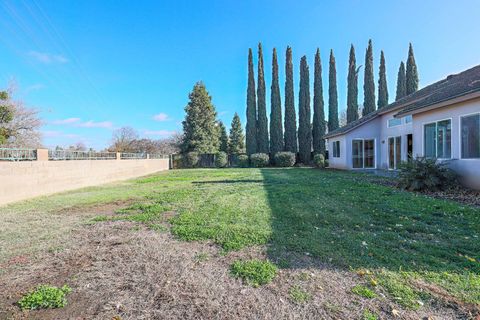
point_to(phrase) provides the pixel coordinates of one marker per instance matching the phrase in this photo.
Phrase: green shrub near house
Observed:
(319, 160)
(424, 174)
(221, 159)
(259, 160)
(284, 159)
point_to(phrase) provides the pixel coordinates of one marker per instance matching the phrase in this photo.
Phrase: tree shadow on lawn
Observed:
(347, 221)
(228, 181)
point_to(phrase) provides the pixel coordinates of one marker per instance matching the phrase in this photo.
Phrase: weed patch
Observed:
(364, 291)
(254, 272)
(45, 297)
(299, 295)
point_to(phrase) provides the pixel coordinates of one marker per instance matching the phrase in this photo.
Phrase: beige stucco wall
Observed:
(468, 169)
(27, 179)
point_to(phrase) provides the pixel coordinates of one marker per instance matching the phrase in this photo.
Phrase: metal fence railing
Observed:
(17, 154)
(132, 156)
(159, 156)
(80, 155)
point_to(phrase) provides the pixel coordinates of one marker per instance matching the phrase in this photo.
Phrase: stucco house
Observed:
(440, 121)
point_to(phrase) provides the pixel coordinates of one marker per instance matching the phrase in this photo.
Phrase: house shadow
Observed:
(323, 218)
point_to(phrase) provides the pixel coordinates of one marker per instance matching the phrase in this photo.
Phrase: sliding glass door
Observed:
(363, 154)
(394, 152)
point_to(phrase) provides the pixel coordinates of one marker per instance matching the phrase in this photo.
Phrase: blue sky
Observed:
(93, 66)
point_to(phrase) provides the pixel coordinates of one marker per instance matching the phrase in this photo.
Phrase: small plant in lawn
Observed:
(221, 159)
(254, 272)
(364, 292)
(201, 257)
(191, 159)
(44, 297)
(242, 161)
(299, 295)
(284, 159)
(319, 160)
(367, 315)
(424, 174)
(259, 160)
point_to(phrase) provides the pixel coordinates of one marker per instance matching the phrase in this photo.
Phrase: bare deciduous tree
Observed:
(122, 139)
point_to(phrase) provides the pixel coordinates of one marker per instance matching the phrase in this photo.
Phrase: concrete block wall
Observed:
(27, 179)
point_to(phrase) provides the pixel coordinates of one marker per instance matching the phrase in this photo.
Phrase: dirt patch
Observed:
(116, 269)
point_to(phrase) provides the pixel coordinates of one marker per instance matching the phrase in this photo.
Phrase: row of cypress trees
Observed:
(310, 134)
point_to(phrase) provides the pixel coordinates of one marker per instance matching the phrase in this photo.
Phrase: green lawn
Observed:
(400, 242)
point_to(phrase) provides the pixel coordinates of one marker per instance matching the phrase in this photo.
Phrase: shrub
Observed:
(44, 297)
(254, 272)
(190, 159)
(284, 159)
(221, 160)
(319, 160)
(259, 160)
(424, 174)
(242, 161)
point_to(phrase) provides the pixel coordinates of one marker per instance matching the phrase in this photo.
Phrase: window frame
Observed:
(363, 153)
(460, 134)
(436, 141)
(336, 154)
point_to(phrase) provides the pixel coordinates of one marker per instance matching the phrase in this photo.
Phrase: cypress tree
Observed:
(251, 127)
(200, 126)
(236, 144)
(276, 127)
(412, 73)
(318, 130)
(262, 121)
(304, 126)
(368, 83)
(352, 90)
(223, 137)
(290, 118)
(401, 82)
(382, 83)
(332, 95)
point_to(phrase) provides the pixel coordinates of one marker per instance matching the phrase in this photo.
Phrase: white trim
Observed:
(460, 134)
(363, 145)
(423, 137)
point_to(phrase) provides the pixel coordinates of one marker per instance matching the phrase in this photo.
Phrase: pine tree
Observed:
(223, 137)
(200, 126)
(290, 117)
(401, 82)
(262, 121)
(236, 143)
(276, 127)
(318, 130)
(304, 125)
(332, 95)
(411, 73)
(382, 83)
(368, 82)
(251, 127)
(352, 90)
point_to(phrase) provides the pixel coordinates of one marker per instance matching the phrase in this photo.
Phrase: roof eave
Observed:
(444, 103)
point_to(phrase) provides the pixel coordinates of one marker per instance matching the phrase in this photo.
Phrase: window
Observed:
(438, 139)
(470, 133)
(336, 149)
(363, 154)
(394, 122)
(394, 152)
(408, 119)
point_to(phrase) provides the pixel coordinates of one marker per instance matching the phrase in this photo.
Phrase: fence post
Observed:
(42, 154)
(119, 157)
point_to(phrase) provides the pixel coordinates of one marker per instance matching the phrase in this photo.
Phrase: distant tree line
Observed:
(204, 133)
(311, 128)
